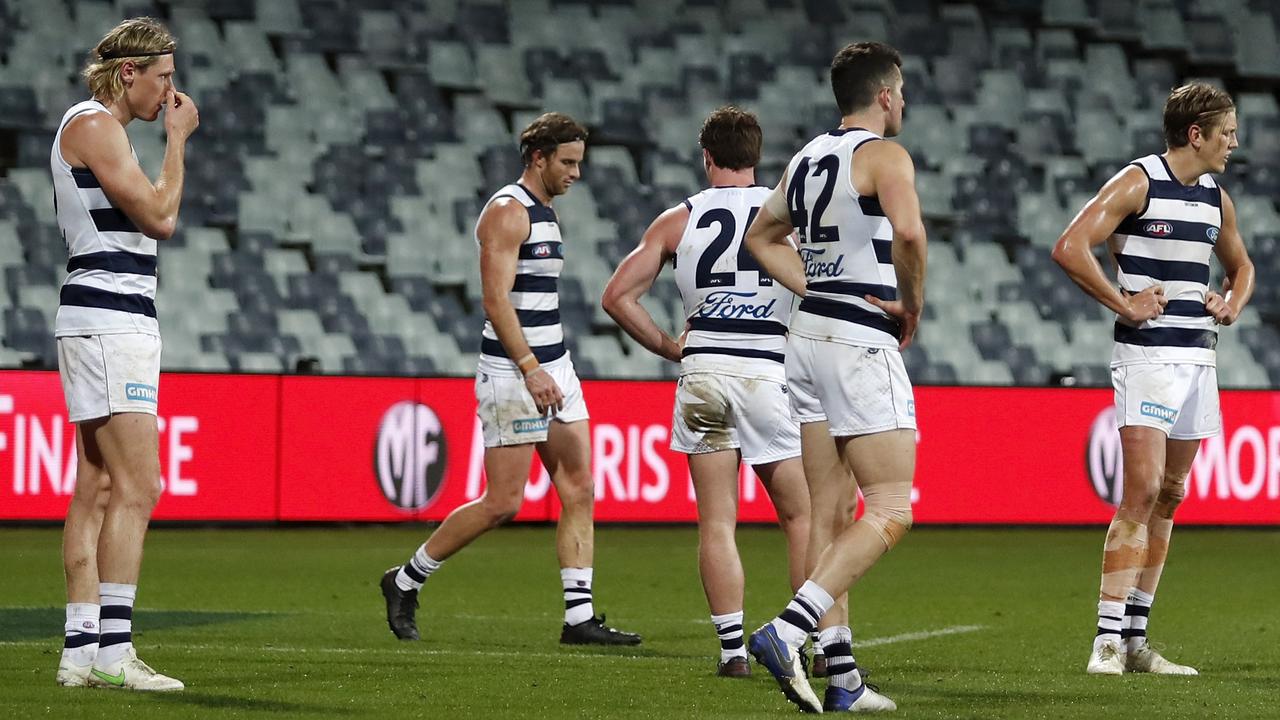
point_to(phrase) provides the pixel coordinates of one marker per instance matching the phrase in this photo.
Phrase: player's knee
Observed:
(500, 509)
(791, 512)
(716, 531)
(1170, 496)
(1140, 497)
(891, 522)
(576, 490)
(794, 522)
(142, 493)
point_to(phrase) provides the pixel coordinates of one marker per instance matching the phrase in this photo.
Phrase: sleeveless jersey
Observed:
(845, 243)
(111, 283)
(1169, 244)
(534, 295)
(737, 315)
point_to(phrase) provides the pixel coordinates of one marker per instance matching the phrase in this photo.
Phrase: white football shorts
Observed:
(104, 375)
(722, 412)
(857, 390)
(1178, 399)
(508, 415)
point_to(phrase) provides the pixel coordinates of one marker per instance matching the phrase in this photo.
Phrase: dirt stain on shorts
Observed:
(705, 409)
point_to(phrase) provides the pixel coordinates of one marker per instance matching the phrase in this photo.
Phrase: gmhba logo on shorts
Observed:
(1104, 459)
(409, 457)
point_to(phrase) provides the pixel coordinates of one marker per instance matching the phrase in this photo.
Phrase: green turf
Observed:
(288, 624)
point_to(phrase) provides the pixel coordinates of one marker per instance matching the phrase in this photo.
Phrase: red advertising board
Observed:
(219, 436)
(297, 448)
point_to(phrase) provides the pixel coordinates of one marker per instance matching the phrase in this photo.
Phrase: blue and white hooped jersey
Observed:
(737, 314)
(1169, 244)
(845, 242)
(111, 283)
(535, 295)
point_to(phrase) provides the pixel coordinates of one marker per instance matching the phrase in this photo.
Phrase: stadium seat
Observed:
(345, 151)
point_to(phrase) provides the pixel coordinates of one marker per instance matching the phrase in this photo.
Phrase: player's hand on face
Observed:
(1146, 305)
(908, 321)
(181, 117)
(546, 394)
(1217, 306)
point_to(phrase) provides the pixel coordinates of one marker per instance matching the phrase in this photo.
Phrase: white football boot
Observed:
(1146, 660)
(1108, 658)
(130, 673)
(72, 675)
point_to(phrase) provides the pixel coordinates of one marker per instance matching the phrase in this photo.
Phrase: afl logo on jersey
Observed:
(1159, 228)
(542, 251)
(1103, 458)
(409, 455)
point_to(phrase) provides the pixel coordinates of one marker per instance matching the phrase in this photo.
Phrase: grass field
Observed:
(955, 623)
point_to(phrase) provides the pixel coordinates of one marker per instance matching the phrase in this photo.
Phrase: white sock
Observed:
(414, 573)
(842, 670)
(1136, 613)
(578, 607)
(729, 630)
(1110, 623)
(116, 622)
(802, 614)
(80, 645)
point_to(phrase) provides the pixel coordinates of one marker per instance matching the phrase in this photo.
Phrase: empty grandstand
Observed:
(345, 148)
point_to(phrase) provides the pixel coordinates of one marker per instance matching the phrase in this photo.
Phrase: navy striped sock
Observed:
(842, 669)
(1137, 611)
(1110, 622)
(577, 595)
(414, 573)
(729, 630)
(116, 622)
(803, 613)
(80, 644)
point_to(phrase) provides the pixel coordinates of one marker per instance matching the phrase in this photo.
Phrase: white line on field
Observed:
(289, 649)
(921, 635)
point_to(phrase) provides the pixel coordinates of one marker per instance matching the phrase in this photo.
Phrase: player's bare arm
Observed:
(1237, 286)
(1123, 195)
(768, 240)
(98, 141)
(503, 227)
(634, 277)
(891, 177)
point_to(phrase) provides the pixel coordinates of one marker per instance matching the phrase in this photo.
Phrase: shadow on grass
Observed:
(39, 623)
(238, 702)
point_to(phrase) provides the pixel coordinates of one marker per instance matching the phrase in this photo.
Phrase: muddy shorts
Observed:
(721, 412)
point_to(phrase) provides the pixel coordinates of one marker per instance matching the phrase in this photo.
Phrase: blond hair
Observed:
(1198, 104)
(140, 40)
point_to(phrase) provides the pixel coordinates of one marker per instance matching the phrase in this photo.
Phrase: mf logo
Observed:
(1159, 228)
(1104, 458)
(409, 455)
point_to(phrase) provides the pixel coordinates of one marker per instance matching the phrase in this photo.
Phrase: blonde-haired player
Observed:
(1162, 216)
(111, 216)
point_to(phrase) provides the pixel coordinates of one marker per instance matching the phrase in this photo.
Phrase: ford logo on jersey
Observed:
(731, 305)
(816, 267)
(1158, 228)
